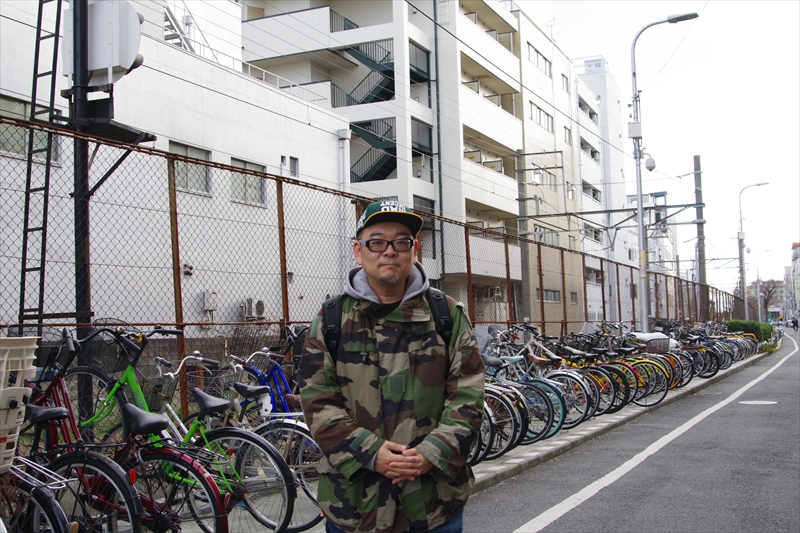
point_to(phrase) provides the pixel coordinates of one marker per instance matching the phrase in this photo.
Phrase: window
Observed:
(549, 296)
(567, 135)
(544, 235)
(570, 191)
(573, 242)
(594, 276)
(593, 233)
(573, 297)
(419, 62)
(247, 187)
(14, 139)
(565, 83)
(425, 206)
(543, 177)
(294, 167)
(631, 254)
(592, 192)
(590, 150)
(541, 117)
(190, 176)
(540, 61)
(586, 108)
(421, 138)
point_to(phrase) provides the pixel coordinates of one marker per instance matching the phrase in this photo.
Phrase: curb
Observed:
(522, 458)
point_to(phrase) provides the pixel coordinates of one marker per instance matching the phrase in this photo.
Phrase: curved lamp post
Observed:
(742, 280)
(635, 133)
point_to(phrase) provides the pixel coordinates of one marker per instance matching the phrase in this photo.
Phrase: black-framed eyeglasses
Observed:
(380, 245)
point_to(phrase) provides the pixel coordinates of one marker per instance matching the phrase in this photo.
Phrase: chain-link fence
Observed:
(232, 254)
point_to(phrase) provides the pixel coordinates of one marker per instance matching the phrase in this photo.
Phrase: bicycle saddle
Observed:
(208, 404)
(493, 362)
(39, 413)
(135, 421)
(250, 391)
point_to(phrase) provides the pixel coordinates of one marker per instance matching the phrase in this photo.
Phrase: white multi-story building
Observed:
(605, 234)
(202, 102)
(464, 109)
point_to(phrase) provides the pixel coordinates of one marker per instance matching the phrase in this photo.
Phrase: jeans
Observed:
(454, 525)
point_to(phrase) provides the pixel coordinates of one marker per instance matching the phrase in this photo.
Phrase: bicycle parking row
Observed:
(538, 385)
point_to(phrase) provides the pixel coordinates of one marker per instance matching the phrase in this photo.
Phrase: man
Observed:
(394, 411)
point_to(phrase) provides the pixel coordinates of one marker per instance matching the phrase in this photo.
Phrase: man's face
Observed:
(389, 268)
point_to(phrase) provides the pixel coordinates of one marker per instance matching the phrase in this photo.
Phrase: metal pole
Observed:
(742, 275)
(636, 135)
(80, 104)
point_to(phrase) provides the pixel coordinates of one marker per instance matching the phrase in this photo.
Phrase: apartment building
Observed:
(197, 98)
(465, 109)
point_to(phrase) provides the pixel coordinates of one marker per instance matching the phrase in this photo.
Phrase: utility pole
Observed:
(701, 239)
(79, 114)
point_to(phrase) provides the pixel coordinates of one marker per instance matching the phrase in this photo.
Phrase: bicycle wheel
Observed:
(557, 399)
(26, 508)
(177, 492)
(622, 389)
(606, 388)
(88, 389)
(657, 383)
(577, 398)
(294, 442)
(260, 483)
(540, 413)
(506, 425)
(485, 437)
(102, 499)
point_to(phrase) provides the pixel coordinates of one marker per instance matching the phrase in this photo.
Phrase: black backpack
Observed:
(332, 319)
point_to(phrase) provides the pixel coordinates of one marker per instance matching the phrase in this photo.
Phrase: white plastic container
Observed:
(17, 354)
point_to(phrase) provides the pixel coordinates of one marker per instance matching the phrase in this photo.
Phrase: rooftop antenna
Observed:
(550, 23)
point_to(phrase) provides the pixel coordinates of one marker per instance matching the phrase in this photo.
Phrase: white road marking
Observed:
(557, 511)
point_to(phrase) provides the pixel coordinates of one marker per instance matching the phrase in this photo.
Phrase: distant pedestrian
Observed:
(794, 324)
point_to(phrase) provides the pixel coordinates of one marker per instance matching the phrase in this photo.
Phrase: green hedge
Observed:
(763, 332)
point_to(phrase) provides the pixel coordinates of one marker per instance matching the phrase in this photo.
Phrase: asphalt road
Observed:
(722, 460)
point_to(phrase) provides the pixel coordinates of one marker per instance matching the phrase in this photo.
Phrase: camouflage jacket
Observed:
(393, 380)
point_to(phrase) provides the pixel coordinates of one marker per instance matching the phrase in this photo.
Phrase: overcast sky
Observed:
(726, 87)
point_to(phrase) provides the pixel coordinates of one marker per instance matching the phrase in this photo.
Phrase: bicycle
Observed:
(173, 487)
(255, 409)
(27, 503)
(253, 477)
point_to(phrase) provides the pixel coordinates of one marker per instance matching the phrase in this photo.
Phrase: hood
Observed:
(358, 287)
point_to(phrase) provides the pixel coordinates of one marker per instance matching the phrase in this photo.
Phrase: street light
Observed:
(742, 277)
(758, 278)
(635, 133)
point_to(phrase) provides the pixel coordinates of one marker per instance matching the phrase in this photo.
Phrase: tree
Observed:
(771, 296)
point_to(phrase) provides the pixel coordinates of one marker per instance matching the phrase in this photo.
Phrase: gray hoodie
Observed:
(358, 287)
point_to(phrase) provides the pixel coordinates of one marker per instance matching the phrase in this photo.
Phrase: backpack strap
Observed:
(441, 314)
(332, 322)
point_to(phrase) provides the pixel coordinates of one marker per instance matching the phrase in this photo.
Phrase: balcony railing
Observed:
(339, 23)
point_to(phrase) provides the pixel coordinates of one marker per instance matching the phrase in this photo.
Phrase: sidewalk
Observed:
(522, 458)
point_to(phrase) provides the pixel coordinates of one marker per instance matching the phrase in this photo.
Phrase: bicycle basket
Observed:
(157, 390)
(216, 382)
(261, 361)
(658, 346)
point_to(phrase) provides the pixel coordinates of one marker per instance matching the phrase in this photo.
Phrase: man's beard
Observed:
(390, 280)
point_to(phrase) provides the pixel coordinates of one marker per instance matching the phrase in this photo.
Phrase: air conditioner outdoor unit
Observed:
(255, 308)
